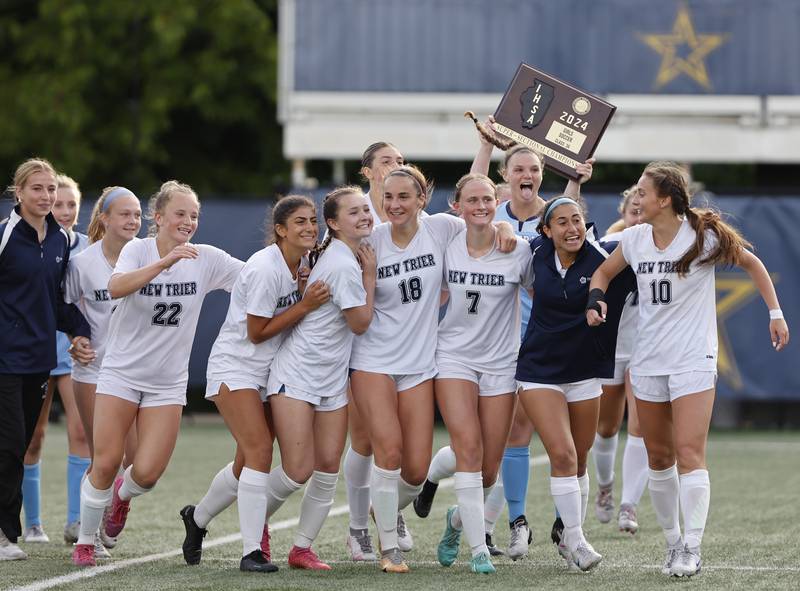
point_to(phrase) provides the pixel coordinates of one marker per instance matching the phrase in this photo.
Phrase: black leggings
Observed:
(21, 398)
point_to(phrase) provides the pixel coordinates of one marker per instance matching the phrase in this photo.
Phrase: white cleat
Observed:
(100, 552)
(627, 518)
(9, 550)
(359, 545)
(108, 541)
(404, 540)
(520, 538)
(71, 532)
(35, 535)
(585, 557)
(688, 562)
(673, 552)
(604, 503)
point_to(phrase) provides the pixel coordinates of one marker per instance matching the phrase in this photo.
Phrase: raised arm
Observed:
(573, 188)
(778, 329)
(611, 267)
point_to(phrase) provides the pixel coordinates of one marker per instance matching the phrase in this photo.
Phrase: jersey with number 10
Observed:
(151, 332)
(481, 324)
(401, 339)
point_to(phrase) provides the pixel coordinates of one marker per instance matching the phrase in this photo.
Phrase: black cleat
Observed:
(557, 531)
(193, 542)
(424, 501)
(493, 550)
(256, 563)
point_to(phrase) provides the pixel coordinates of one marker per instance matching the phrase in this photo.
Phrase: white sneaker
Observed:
(9, 550)
(359, 544)
(108, 541)
(673, 552)
(35, 535)
(604, 503)
(100, 551)
(627, 518)
(71, 532)
(404, 540)
(688, 562)
(520, 538)
(585, 557)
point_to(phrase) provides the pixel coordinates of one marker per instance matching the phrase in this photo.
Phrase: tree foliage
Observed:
(136, 91)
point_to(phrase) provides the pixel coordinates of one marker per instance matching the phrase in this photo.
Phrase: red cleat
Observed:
(265, 543)
(305, 558)
(119, 512)
(83, 555)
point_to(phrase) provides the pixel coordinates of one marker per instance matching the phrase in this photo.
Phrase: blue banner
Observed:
(615, 46)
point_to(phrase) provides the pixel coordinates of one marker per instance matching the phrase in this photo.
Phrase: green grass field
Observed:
(750, 543)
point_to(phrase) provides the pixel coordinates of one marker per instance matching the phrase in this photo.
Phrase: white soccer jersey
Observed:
(86, 286)
(314, 356)
(629, 321)
(401, 339)
(677, 315)
(376, 219)
(481, 324)
(151, 331)
(265, 287)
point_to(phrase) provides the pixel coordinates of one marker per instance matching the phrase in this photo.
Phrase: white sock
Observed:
(695, 497)
(383, 489)
(129, 488)
(406, 493)
(317, 502)
(664, 493)
(279, 487)
(604, 451)
(357, 469)
(221, 495)
(469, 494)
(634, 470)
(567, 498)
(583, 483)
(494, 500)
(443, 464)
(93, 503)
(252, 503)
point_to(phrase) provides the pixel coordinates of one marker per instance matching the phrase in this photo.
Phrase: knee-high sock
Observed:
(406, 493)
(252, 503)
(516, 471)
(357, 470)
(664, 494)
(93, 503)
(279, 487)
(604, 451)
(76, 468)
(220, 495)
(383, 489)
(583, 483)
(32, 494)
(130, 488)
(469, 495)
(493, 505)
(566, 493)
(443, 464)
(317, 501)
(634, 470)
(695, 497)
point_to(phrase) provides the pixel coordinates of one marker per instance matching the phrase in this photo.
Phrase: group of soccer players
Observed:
(545, 327)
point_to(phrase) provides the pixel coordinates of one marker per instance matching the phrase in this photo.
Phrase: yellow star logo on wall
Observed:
(734, 291)
(682, 39)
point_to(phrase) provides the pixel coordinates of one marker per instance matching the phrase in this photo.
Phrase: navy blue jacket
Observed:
(559, 346)
(32, 306)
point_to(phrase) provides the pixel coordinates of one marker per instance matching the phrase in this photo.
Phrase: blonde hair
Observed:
(520, 149)
(424, 186)
(97, 229)
(473, 176)
(158, 202)
(26, 169)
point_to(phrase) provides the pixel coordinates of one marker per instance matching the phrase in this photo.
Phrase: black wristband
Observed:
(596, 296)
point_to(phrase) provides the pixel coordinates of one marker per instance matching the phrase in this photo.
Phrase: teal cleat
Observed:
(447, 552)
(482, 564)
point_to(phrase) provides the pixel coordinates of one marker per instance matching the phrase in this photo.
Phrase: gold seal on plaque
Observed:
(581, 105)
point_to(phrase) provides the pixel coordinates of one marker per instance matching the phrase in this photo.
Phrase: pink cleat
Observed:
(305, 558)
(83, 555)
(265, 543)
(119, 512)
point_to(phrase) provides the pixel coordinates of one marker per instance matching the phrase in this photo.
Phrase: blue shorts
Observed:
(64, 366)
